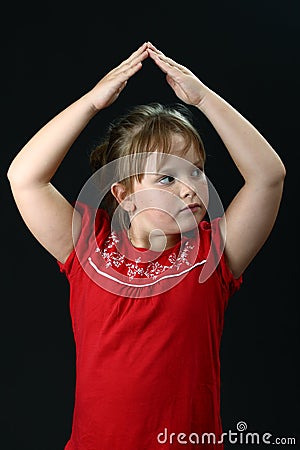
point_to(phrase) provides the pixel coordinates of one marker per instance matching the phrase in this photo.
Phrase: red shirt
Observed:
(147, 336)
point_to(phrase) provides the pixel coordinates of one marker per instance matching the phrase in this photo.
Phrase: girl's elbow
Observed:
(277, 176)
(282, 171)
(281, 174)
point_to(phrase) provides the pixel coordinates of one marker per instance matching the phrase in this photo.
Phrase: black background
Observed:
(247, 51)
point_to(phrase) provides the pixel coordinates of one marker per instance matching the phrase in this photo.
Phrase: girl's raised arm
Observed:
(47, 214)
(251, 215)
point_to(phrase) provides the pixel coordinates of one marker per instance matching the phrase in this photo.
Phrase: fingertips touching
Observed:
(153, 48)
(150, 45)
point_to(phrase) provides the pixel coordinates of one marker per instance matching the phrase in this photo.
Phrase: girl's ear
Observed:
(120, 193)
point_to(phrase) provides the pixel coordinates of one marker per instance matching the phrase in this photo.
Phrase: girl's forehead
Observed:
(157, 162)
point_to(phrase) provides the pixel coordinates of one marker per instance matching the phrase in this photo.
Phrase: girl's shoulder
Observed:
(95, 227)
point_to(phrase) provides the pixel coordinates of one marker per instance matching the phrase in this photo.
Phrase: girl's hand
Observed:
(111, 85)
(184, 83)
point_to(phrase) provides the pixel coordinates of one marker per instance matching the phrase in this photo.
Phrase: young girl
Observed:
(150, 275)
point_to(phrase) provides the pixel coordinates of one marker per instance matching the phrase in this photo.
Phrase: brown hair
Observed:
(144, 128)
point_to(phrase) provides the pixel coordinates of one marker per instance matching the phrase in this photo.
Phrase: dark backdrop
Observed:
(51, 54)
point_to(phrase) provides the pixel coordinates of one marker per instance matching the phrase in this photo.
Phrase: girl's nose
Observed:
(185, 190)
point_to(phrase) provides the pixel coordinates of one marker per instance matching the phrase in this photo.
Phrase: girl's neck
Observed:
(155, 241)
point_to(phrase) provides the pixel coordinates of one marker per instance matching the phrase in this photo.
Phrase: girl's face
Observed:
(170, 199)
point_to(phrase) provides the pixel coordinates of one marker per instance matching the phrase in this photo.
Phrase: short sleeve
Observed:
(94, 229)
(216, 258)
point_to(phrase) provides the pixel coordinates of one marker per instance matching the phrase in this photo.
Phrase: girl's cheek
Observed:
(150, 198)
(203, 193)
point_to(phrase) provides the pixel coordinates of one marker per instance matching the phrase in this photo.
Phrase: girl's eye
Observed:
(167, 180)
(197, 172)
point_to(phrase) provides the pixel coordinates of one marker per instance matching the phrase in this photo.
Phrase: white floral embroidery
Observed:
(113, 258)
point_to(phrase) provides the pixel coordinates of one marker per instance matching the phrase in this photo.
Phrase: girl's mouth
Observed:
(193, 207)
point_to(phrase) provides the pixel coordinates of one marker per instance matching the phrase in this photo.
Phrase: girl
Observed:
(150, 275)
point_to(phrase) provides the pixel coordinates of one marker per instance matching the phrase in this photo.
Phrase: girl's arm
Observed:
(252, 213)
(45, 211)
